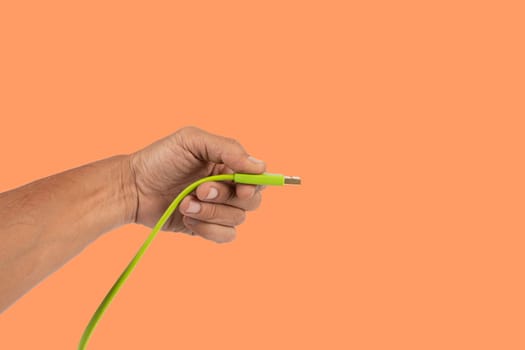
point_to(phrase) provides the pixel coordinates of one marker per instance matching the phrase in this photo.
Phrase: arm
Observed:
(47, 222)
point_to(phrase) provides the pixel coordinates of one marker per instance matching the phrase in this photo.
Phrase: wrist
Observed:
(128, 188)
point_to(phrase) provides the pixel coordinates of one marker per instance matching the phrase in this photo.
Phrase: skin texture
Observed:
(47, 222)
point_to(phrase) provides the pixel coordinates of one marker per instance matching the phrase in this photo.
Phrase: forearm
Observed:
(47, 222)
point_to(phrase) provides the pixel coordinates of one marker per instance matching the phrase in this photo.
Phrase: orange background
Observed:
(404, 118)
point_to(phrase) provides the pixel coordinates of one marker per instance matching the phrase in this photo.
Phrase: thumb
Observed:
(219, 149)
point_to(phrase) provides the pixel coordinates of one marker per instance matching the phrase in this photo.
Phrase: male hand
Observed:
(163, 169)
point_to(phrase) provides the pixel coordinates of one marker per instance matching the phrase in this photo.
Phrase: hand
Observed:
(163, 169)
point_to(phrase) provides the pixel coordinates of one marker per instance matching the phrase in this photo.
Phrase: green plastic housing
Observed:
(266, 179)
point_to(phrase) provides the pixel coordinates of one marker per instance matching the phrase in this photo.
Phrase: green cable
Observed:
(252, 179)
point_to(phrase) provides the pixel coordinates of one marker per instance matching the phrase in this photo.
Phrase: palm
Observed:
(162, 171)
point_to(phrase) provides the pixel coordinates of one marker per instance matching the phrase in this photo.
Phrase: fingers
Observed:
(211, 221)
(212, 212)
(213, 232)
(245, 192)
(216, 208)
(245, 197)
(218, 149)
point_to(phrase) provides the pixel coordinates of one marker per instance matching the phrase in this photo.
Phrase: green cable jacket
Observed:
(251, 179)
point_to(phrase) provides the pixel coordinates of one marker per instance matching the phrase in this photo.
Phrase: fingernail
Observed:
(213, 193)
(193, 208)
(261, 187)
(255, 160)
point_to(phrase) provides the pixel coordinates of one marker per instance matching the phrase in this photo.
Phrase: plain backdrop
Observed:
(404, 118)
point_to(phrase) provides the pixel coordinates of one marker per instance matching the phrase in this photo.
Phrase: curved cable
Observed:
(131, 266)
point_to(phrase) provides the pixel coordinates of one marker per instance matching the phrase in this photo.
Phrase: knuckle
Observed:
(189, 129)
(240, 217)
(255, 202)
(258, 200)
(235, 144)
(186, 132)
(233, 141)
(209, 211)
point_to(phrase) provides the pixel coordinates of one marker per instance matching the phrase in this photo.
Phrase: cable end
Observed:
(292, 180)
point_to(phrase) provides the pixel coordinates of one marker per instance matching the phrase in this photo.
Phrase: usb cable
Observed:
(250, 179)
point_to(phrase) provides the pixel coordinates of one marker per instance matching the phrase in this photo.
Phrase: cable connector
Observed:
(292, 180)
(266, 179)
